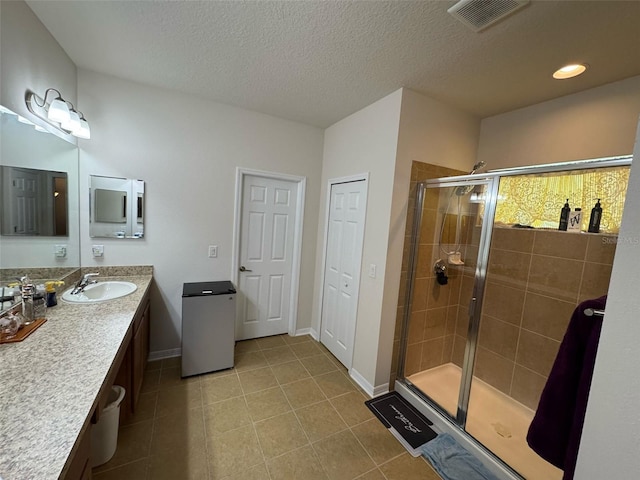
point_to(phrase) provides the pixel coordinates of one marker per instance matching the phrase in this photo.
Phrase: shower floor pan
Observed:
(494, 419)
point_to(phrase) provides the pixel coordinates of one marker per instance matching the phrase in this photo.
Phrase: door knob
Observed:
(242, 269)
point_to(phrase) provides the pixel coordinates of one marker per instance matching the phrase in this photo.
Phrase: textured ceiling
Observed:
(318, 61)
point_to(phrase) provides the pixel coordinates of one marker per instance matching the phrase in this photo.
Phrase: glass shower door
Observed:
(445, 263)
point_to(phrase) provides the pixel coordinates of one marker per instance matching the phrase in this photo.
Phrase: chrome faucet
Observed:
(83, 283)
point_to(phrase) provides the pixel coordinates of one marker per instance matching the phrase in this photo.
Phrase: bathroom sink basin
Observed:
(100, 292)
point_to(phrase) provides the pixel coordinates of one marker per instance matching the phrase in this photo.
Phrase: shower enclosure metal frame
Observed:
(456, 425)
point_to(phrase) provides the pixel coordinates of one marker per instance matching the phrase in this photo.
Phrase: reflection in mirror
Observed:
(43, 244)
(117, 207)
(34, 202)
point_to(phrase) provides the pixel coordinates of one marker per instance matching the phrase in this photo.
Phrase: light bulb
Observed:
(569, 71)
(73, 124)
(84, 131)
(58, 111)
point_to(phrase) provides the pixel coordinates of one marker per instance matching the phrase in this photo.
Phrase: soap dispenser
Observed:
(564, 216)
(596, 216)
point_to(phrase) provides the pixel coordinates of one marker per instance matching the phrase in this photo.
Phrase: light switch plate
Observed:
(213, 251)
(60, 251)
(97, 250)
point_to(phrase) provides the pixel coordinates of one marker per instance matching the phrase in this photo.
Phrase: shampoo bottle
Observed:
(564, 216)
(594, 221)
(575, 220)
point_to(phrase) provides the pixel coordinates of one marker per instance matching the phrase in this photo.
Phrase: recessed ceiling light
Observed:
(570, 71)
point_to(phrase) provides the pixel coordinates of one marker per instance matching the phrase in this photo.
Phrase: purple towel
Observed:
(556, 428)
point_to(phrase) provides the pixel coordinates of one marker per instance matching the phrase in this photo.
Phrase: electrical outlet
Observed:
(213, 251)
(60, 251)
(97, 250)
(372, 270)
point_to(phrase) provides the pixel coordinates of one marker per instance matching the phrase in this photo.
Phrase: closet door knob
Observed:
(242, 269)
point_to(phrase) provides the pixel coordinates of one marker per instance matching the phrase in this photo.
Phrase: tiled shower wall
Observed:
(434, 313)
(535, 279)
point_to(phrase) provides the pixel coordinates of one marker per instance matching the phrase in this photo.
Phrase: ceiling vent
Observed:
(479, 14)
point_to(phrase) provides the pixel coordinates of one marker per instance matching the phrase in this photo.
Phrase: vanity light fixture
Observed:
(59, 113)
(570, 71)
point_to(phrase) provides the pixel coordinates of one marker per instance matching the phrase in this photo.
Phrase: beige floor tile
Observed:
(320, 420)
(334, 384)
(406, 467)
(318, 364)
(372, 475)
(267, 403)
(300, 464)
(170, 377)
(280, 435)
(250, 361)
(131, 471)
(182, 397)
(245, 346)
(146, 408)
(133, 444)
(154, 365)
(256, 380)
(279, 355)
(171, 362)
(257, 472)
(187, 465)
(302, 393)
(226, 415)
(351, 408)
(271, 342)
(231, 449)
(297, 339)
(306, 349)
(342, 456)
(179, 433)
(289, 372)
(218, 373)
(151, 381)
(379, 443)
(220, 388)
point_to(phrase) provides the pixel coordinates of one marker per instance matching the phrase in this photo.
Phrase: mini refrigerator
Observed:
(208, 327)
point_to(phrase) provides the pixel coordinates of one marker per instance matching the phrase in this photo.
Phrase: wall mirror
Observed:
(40, 232)
(34, 202)
(116, 207)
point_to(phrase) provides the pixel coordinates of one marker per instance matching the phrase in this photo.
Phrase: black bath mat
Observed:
(408, 425)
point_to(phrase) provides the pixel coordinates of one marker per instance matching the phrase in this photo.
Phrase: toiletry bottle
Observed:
(564, 216)
(594, 221)
(27, 303)
(39, 306)
(575, 221)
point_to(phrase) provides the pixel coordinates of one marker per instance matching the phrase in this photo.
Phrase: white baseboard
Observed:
(366, 386)
(302, 331)
(314, 334)
(162, 354)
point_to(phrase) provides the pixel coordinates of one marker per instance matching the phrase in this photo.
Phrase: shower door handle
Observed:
(472, 307)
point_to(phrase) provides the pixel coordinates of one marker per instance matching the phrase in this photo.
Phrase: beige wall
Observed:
(364, 142)
(31, 59)
(188, 161)
(596, 123)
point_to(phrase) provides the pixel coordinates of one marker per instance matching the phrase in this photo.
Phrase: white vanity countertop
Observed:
(50, 381)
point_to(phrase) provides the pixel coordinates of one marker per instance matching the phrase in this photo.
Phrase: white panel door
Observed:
(345, 236)
(24, 202)
(266, 256)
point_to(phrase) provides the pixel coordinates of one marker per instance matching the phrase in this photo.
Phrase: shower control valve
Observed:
(440, 269)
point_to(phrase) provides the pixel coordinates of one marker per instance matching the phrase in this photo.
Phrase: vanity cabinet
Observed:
(127, 371)
(131, 371)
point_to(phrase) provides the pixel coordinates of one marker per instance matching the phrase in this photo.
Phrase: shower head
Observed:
(477, 167)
